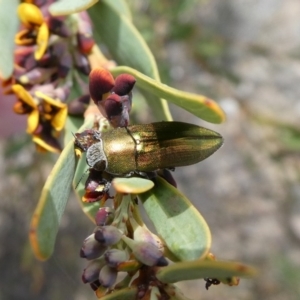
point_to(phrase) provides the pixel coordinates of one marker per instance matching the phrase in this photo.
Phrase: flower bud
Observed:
(91, 249)
(78, 106)
(104, 216)
(113, 105)
(124, 84)
(117, 109)
(96, 187)
(107, 276)
(108, 235)
(100, 82)
(146, 253)
(65, 65)
(36, 75)
(114, 257)
(143, 234)
(85, 42)
(81, 63)
(62, 93)
(57, 25)
(92, 270)
(149, 254)
(30, 63)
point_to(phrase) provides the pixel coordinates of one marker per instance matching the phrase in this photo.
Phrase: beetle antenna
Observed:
(81, 178)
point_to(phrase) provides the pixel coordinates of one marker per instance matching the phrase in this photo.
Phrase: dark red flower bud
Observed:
(104, 216)
(117, 109)
(81, 62)
(58, 26)
(78, 106)
(85, 42)
(113, 105)
(124, 84)
(100, 82)
(65, 65)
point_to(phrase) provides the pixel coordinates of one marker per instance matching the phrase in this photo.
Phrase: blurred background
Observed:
(246, 56)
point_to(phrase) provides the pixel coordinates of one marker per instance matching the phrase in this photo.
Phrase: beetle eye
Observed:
(100, 165)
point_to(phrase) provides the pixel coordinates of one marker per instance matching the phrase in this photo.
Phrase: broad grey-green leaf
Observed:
(199, 105)
(9, 23)
(127, 47)
(197, 269)
(55, 194)
(122, 7)
(177, 221)
(67, 7)
(50, 208)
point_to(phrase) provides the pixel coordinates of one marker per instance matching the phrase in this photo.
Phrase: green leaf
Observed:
(9, 23)
(67, 7)
(132, 185)
(121, 6)
(199, 105)
(127, 47)
(177, 221)
(55, 194)
(50, 208)
(190, 270)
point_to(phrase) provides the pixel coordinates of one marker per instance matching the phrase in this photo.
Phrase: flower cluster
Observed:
(52, 52)
(112, 96)
(110, 251)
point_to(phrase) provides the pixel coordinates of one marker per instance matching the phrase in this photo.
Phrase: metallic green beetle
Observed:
(147, 147)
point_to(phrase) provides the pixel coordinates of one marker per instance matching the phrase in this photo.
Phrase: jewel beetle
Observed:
(146, 148)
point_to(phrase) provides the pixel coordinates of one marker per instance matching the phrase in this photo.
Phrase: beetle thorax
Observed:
(96, 157)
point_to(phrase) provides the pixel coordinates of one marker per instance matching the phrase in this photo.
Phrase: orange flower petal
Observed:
(23, 95)
(43, 146)
(25, 37)
(49, 100)
(59, 119)
(42, 41)
(30, 15)
(32, 121)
